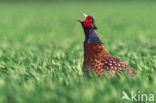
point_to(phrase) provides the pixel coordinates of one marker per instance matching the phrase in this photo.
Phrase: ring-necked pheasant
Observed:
(95, 55)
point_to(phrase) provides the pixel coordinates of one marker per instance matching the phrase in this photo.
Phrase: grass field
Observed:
(41, 51)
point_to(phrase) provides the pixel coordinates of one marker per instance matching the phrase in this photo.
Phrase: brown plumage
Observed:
(95, 55)
(97, 58)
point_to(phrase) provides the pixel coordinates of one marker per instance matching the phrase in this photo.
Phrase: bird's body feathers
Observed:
(96, 57)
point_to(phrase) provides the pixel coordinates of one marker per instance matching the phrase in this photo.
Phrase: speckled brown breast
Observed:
(97, 58)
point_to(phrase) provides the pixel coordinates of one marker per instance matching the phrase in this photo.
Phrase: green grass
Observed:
(41, 51)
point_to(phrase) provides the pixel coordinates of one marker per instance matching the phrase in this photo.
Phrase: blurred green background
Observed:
(41, 50)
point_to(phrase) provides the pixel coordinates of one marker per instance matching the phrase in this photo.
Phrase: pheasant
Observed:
(96, 57)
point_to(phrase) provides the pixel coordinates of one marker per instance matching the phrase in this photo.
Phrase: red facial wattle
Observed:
(88, 22)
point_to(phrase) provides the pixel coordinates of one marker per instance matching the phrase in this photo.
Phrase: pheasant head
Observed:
(88, 23)
(89, 28)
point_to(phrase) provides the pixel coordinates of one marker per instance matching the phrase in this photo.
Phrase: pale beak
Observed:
(85, 15)
(80, 21)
